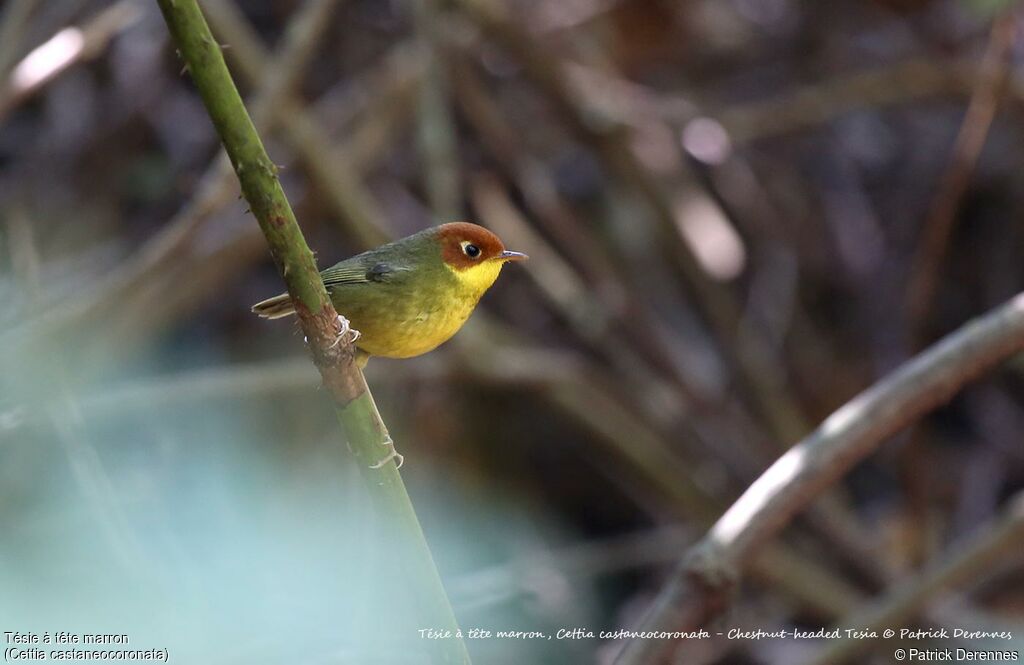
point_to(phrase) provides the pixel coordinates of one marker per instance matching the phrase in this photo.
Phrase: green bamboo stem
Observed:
(331, 348)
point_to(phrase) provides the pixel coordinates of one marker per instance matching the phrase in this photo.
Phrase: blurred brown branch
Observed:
(942, 216)
(701, 586)
(64, 50)
(752, 358)
(13, 19)
(610, 139)
(115, 293)
(995, 542)
(332, 172)
(435, 128)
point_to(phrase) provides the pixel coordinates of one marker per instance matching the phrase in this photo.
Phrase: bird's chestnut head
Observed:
(465, 246)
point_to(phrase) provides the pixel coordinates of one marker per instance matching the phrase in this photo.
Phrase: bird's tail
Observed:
(277, 307)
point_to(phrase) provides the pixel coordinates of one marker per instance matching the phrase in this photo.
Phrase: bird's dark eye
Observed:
(472, 251)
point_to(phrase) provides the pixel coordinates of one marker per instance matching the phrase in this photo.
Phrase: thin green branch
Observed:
(329, 342)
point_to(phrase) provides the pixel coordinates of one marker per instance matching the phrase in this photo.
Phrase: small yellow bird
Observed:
(409, 296)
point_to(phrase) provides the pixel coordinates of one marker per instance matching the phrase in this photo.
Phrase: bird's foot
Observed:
(346, 331)
(392, 454)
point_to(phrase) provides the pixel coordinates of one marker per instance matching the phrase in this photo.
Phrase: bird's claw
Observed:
(392, 454)
(346, 331)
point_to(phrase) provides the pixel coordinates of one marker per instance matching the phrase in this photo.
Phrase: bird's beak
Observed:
(509, 255)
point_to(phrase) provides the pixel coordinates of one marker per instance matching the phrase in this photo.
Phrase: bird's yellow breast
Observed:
(414, 321)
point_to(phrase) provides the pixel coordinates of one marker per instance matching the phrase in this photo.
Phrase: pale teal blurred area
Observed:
(232, 530)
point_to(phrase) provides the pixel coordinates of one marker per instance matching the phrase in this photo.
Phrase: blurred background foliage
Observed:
(739, 214)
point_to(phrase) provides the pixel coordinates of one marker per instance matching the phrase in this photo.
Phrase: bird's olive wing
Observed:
(346, 273)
